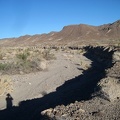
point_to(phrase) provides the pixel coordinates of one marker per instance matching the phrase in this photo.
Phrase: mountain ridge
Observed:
(71, 34)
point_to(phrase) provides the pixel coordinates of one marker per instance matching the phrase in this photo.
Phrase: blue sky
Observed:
(21, 17)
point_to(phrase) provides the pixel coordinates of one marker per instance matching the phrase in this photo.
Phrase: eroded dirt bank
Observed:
(99, 97)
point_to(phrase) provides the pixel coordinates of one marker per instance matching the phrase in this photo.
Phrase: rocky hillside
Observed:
(72, 34)
(104, 103)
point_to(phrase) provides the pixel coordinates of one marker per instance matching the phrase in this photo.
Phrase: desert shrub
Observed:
(27, 66)
(24, 61)
(47, 55)
(23, 56)
(5, 85)
(4, 66)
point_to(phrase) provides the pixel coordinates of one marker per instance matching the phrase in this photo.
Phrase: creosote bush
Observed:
(23, 56)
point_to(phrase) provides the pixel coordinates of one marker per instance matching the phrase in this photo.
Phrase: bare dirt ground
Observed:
(35, 85)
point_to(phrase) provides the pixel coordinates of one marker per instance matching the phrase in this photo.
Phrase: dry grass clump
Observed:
(24, 60)
(5, 85)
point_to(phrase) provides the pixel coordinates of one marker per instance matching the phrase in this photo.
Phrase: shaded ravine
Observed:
(78, 88)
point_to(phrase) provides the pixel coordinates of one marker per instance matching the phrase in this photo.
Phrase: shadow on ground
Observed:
(78, 88)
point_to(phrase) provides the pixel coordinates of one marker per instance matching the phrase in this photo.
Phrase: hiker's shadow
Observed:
(78, 88)
(9, 102)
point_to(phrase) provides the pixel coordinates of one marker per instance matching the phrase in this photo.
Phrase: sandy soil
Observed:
(35, 85)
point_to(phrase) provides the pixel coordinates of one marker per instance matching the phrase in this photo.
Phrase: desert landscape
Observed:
(73, 74)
